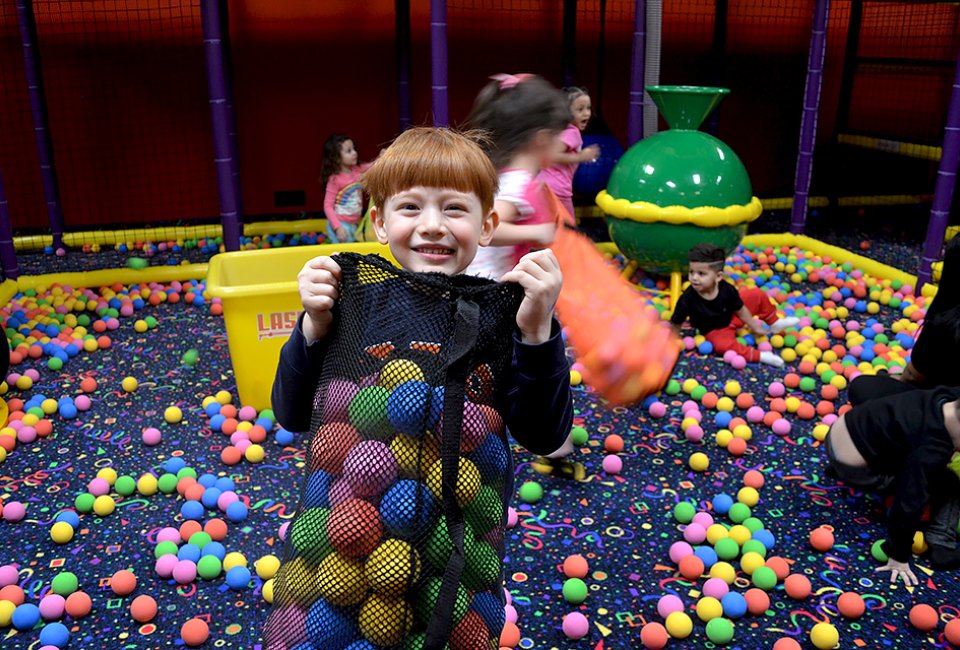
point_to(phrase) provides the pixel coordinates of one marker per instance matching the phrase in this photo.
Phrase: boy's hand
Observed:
(757, 329)
(319, 285)
(902, 570)
(539, 275)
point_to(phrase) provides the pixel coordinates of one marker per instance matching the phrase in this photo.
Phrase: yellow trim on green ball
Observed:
(705, 217)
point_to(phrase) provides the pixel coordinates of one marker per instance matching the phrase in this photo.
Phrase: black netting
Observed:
(398, 538)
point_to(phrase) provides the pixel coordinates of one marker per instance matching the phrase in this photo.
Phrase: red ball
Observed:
(797, 586)
(195, 632)
(753, 479)
(510, 635)
(952, 632)
(924, 617)
(737, 447)
(354, 527)
(691, 567)
(851, 605)
(780, 566)
(758, 601)
(821, 539)
(143, 608)
(786, 643)
(78, 604)
(470, 633)
(654, 636)
(613, 443)
(123, 582)
(331, 445)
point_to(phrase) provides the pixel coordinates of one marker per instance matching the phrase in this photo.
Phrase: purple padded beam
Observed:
(222, 151)
(438, 61)
(38, 110)
(637, 66)
(946, 180)
(8, 255)
(404, 97)
(808, 119)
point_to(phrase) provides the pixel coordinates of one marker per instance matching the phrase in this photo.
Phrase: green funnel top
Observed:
(686, 107)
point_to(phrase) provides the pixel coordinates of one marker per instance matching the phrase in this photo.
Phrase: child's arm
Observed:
(750, 321)
(680, 313)
(511, 234)
(329, 209)
(587, 154)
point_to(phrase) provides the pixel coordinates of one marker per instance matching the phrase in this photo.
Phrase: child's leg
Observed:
(941, 533)
(868, 387)
(759, 305)
(726, 339)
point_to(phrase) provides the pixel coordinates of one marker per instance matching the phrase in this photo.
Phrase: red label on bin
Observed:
(277, 323)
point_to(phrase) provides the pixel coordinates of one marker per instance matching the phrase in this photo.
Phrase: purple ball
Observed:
(184, 572)
(370, 468)
(336, 400)
(165, 564)
(52, 606)
(668, 605)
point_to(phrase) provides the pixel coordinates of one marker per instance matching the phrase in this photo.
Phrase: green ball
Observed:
(368, 412)
(200, 539)
(808, 384)
(673, 387)
(417, 642)
(575, 591)
(84, 502)
(752, 545)
(64, 584)
(720, 631)
(268, 413)
(167, 483)
(165, 548)
(55, 363)
(186, 471)
(125, 486)
(483, 567)
(209, 567)
(877, 550)
(308, 534)
(579, 436)
(429, 594)
(137, 263)
(727, 549)
(684, 512)
(764, 578)
(151, 322)
(790, 341)
(36, 410)
(485, 512)
(190, 358)
(439, 547)
(531, 492)
(752, 524)
(698, 393)
(739, 513)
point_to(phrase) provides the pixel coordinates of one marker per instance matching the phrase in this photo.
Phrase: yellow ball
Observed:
(740, 534)
(743, 431)
(254, 453)
(341, 581)
(232, 559)
(90, 345)
(793, 404)
(129, 384)
(266, 567)
(776, 341)
(788, 355)
(173, 414)
(49, 406)
(751, 561)
(398, 371)
(8, 431)
(3, 454)
(244, 426)
(709, 608)
(688, 385)
(748, 496)
(267, 590)
(392, 568)
(824, 636)
(723, 438)
(732, 388)
(24, 383)
(839, 382)
(919, 543)
(140, 326)
(147, 485)
(688, 422)
(385, 621)
(104, 505)
(224, 397)
(61, 532)
(108, 474)
(468, 481)
(575, 378)
(411, 455)
(725, 404)
(699, 462)
(820, 432)
(679, 625)
(209, 399)
(716, 532)
(30, 419)
(724, 571)
(6, 613)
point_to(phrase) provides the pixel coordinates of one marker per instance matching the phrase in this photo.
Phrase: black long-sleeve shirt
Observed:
(904, 436)
(540, 410)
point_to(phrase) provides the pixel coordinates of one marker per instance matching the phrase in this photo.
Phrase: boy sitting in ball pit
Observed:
(717, 310)
(903, 444)
(399, 535)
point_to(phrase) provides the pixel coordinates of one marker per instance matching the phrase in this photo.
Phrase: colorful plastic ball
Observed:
(612, 465)
(786, 643)
(758, 601)
(824, 636)
(531, 492)
(797, 586)
(851, 605)
(952, 632)
(722, 503)
(236, 512)
(576, 566)
(575, 591)
(386, 621)
(14, 511)
(691, 567)
(123, 582)
(152, 436)
(669, 604)
(267, 566)
(392, 568)
(576, 626)
(679, 625)
(764, 578)
(61, 532)
(195, 632)
(679, 550)
(52, 607)
(684, 511)
(78, 604)
(579, 436)
(25, 617)
(209, 567)
(64, 583)
(55, 634)
(653, 636)
(876, 550)
(699, 462)
(720, 631)
(354, 527)
(129, 384)
(734, 605)
(184, 572)
(924, 617)
(739, 512)
(143, 608)
(510, 635)
(821, 539)
(715, 588)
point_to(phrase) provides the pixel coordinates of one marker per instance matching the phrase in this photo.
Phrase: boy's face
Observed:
(703, 277)
(434, 229)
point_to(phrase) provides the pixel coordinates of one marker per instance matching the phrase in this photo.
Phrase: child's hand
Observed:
(757, 329)
(341, 234)
(900, 569)
(539, 275)
(319, 284)
(590, 154)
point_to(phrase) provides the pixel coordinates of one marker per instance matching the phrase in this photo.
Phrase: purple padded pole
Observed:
(438, 61)
(637, 66)
(808, 120)
(217, 87)
(946, 180)
(404, 97)
(231, 113)
(38, 109)
(8, 254)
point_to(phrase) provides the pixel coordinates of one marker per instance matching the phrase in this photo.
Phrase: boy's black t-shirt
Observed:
(708, 315)
(904, 436)
(936, 354)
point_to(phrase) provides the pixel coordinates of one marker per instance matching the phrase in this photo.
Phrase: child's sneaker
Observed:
(559, 467)
(782, 324)
(771, 359)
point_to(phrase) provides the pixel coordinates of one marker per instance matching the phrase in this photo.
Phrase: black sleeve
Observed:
(540, 412)
(935, 355)
(731, 297)
(913, 493)
(295, 384)
(682, 310)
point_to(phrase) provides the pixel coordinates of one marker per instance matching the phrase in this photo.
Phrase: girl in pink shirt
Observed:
(340, 175)
(569, 152)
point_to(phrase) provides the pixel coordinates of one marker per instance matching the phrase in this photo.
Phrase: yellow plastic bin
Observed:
(260, 307)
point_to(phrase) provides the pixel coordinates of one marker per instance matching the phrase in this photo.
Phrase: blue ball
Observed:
(213, 408)
(238, 577)
(190, 552)
(766, 538)
(491, 458)
(174, 464)
(317, 491)
(207, 480)
(26, 616)
(705, 348)
(734, 605)
(707, 555)
(209, 498)
(722, 419)
(326, 626)
(224, 484)
(436, 408)
(55, 634)
(407, 407)
(70, 517)
(264, 422)
(236, 512)
(592, 177)
(283, 438)
(722, 503)
(216, 422)
(490, 609)
(407, 508)
(216, 549)
(361, 645)
(192, 510)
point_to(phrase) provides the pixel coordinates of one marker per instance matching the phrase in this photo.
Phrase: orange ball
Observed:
(952, 632)
(88, 385)
(825, 408)
(829, 391)
(229, 425)
(194, 492)
(772, 416)
(195, 632)
(230, 455)
(184, 483)
(228, 411)
(143, 608)
(791, 380)
(806, 367)
(123, 582)
(753, 479)
(613, 443)
(806, 411)
(745, 400)
(691, 567)
(510, 635)
(576, 566)
(778, 405)
(709, 400)
(797, 586)
(654, 636)
(786, 643)
(924, 617)
(736, 422)
(43, 428)
(757, 601)
(851, 605)
(13, 593)
(216, 529)
(257, 434)
(188, 528)
(737, 447)
(78, 604)
(780, 567)
(821, 539)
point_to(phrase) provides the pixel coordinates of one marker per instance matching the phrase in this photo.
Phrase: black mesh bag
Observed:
(398, 538)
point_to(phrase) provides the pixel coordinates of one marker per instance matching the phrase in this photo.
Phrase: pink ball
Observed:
(27, 434)
(12, 378)
(853, 326)
(716, 588)
(247, 413)
(512, 518)
(152, 436)
(688, 342)
(688, 406)
(507, 597)
(184, 572)
(705, 519)
(98, 487)
(856, 350)
(282, 532)
(830, 419)
(668, 605)
(238, 437)
(575, 626)
(696, 415)
(612, 464)
(657, 409)
(16, 425)
(336, 404)
(781, 427)
(776, 389)
(729, 355)
(695, 533)
(165, 564)
(764, 346)
(126, 310)
(8, 575)
(242, 445)
(51, 607)
(739, 363)
(61, 252)
(805, 322)
(511, 614)
(755, 414)
(679, 550)
(225, 499)
(33, 374)
(168, 534)
(339, 492)
(82, 402)
(14, 511)
(112, 323)
(694, 433)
